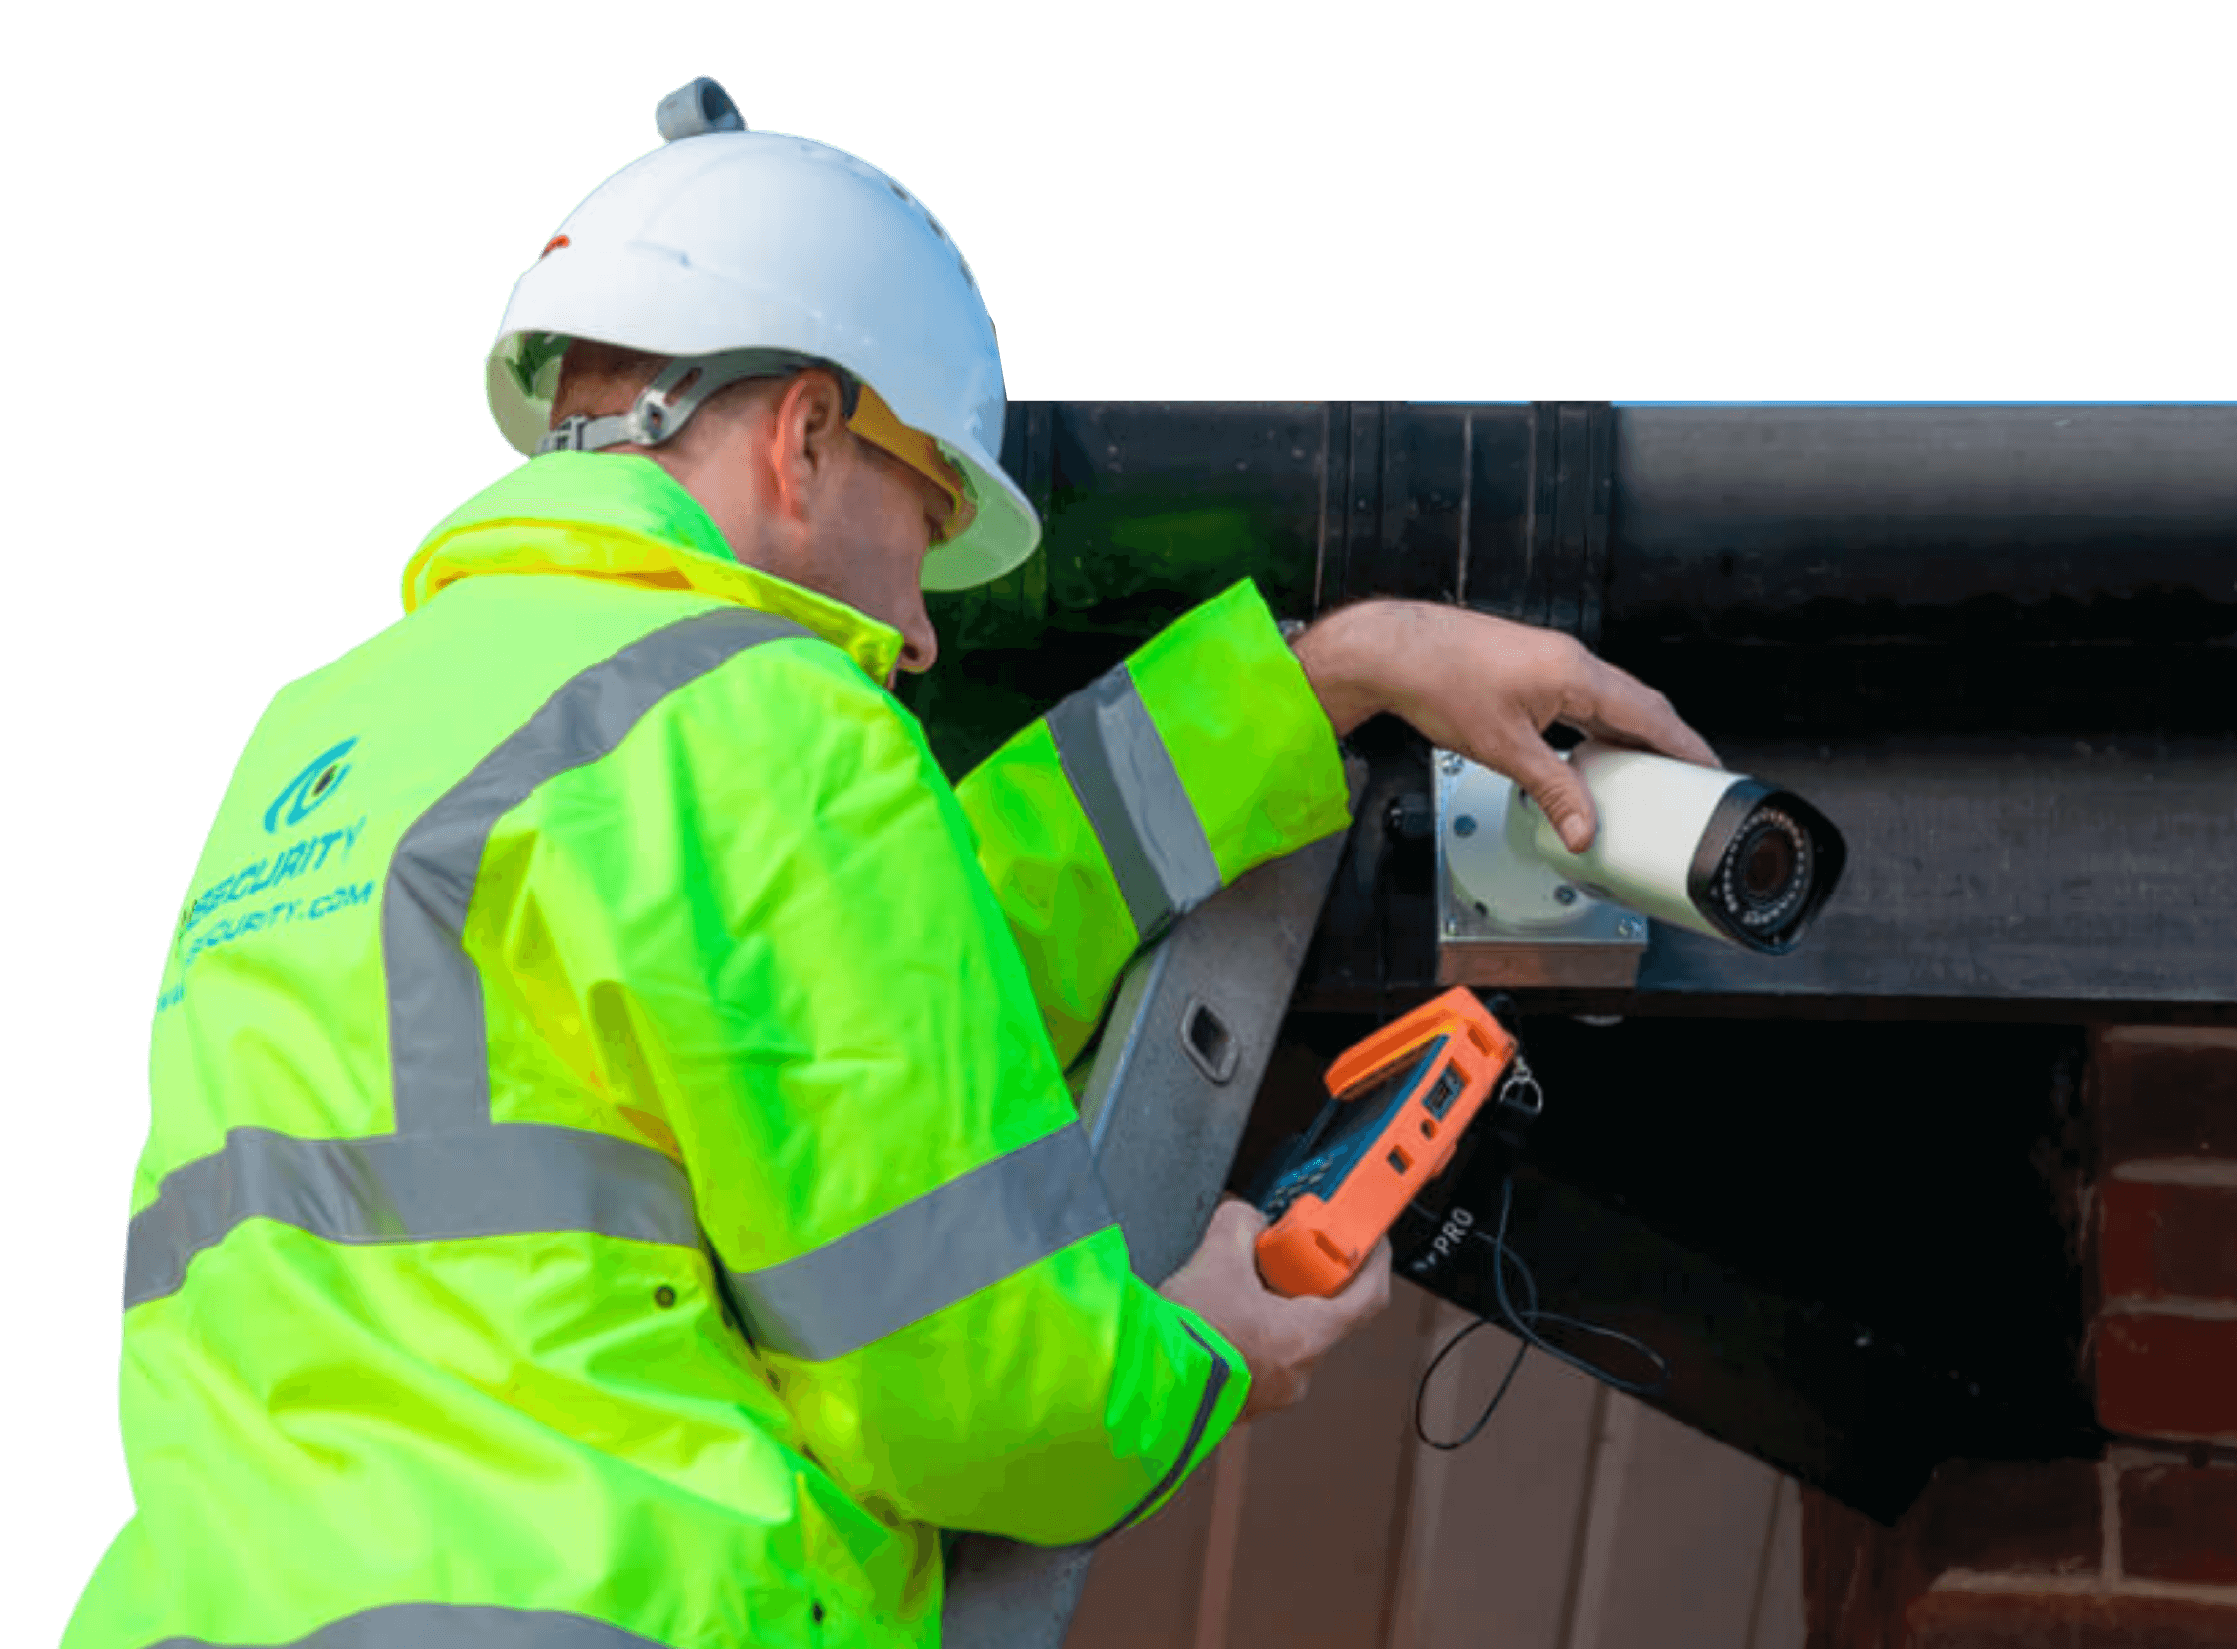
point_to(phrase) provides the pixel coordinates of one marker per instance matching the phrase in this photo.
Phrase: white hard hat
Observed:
(759, 247)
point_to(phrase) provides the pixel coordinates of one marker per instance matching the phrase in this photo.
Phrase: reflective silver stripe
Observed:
(926, 1255)
(450, 1626)
(1205, 1406)
(1132, 794)
(475, 1182)
(449, 1171)
(438, 1045)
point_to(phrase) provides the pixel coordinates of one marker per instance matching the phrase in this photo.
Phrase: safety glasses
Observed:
(874, 421)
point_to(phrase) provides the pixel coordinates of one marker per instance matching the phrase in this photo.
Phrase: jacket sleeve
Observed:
(1145, 793)
(821, 992)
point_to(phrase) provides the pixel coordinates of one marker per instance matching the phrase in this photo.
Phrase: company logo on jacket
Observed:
(308, 789)
(303, 858)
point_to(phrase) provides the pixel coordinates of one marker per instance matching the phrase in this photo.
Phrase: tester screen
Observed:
(1346, 1129)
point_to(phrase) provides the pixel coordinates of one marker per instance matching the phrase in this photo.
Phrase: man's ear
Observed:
(808, 435)
(813, 402)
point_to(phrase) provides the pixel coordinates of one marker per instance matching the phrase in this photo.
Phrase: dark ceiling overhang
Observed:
(1998, 644)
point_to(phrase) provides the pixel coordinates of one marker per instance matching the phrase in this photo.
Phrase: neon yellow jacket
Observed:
(611, 1180)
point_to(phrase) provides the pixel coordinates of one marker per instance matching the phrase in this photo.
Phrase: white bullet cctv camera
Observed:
(1716, 852)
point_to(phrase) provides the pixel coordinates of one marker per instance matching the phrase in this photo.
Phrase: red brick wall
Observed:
(2139, 1549)
(2166, 1340)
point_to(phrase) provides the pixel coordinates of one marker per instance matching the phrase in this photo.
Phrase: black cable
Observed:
(1524, 1325)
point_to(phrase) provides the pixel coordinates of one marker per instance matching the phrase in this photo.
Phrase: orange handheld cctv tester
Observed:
(1401, 1101)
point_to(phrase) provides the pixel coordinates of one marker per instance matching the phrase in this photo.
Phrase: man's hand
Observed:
(1489, 688)
(1280, 1338)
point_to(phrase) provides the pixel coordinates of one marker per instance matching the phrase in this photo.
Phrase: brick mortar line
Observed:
(2144, 1453)
(2216, 1173)
(1986, 1584)
(2189, 1308)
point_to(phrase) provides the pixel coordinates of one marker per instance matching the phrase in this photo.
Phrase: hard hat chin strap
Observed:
(666, 404)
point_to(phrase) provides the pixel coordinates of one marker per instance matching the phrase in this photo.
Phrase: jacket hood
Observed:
(621, 516)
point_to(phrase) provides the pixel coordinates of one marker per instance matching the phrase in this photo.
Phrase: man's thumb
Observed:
(1554, 785)
(1238, 1222)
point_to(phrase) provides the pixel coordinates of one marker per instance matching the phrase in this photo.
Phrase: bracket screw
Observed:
(1630, 927)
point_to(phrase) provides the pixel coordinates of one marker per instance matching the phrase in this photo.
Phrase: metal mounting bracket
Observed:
(1504, 919)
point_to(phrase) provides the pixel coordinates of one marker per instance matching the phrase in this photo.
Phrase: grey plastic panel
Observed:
(1169, 1091)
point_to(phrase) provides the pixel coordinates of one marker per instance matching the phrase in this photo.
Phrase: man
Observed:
(611, 1179)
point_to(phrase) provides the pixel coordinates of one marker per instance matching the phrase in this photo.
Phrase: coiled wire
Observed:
(1524, 1324)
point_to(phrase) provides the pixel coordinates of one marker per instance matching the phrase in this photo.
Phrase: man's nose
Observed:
(920, 645)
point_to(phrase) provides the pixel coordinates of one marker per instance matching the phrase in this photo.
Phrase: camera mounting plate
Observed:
(1503, 919)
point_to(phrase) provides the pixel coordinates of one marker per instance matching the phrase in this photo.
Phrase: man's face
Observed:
(872, 546)
(796, 492)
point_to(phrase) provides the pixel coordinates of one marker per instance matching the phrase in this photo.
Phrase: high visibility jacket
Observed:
(611, 1179)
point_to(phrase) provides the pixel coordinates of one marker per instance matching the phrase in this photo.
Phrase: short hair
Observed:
(597, 379)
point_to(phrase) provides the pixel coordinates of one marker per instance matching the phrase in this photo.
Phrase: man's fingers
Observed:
(1235, 1227)
(1699, 753)
(1627, 709)
(1369, 1290)
(1230, 1241)
(1235, 1212)
(1373, 1274)
(1556, 788)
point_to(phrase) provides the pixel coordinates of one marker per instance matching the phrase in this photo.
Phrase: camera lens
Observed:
(1767, 864)
(1764, 866)
(1766, 872)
